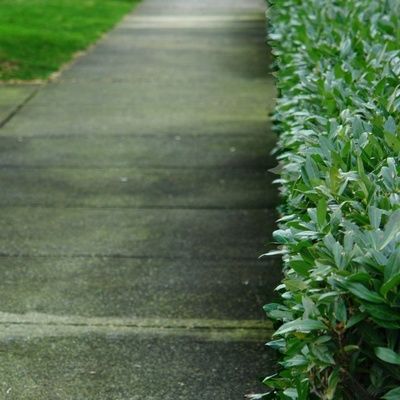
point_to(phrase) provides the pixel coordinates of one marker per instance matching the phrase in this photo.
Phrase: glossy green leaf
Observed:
(392, 229)
(393, 394)
(390, 284)
(322, 211)
(361, 292)
(300, 325)
(388, 355)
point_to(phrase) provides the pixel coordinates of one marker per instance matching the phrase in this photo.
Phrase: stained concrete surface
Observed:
(135, 202)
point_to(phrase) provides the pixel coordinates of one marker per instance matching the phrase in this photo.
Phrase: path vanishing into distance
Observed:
(135, 202)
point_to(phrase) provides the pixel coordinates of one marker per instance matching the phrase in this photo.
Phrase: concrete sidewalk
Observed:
(135, 204)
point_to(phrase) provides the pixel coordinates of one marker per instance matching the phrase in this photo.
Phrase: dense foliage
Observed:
(338, 120)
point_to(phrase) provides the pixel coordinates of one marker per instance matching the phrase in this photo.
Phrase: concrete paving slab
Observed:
(210, 95)
(243, 50)
(98, 121)
(214, 110)
(134, 367)
(228, 69)
(226, 35)
(208, 36)
(193, 234)
(205, 22)
(246, 151)
(96, 71)
(145, 288)
(133, 187)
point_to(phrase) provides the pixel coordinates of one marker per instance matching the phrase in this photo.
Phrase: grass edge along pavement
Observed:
(338, 120)
(38, 37)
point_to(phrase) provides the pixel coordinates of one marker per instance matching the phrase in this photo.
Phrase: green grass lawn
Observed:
(37, 36)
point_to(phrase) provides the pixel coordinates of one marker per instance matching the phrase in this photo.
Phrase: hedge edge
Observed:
(337, 116)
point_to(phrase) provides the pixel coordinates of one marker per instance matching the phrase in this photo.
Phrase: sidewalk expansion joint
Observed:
(43, 325)
(188, 258)
(142, 207)
(172, 136)
(260, 170)
(18, 108)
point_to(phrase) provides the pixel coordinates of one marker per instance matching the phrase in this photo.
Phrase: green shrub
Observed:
(338, 119)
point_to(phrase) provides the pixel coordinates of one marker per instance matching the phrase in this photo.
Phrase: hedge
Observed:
(337, 117)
